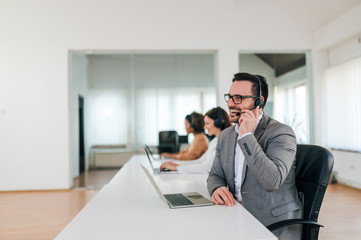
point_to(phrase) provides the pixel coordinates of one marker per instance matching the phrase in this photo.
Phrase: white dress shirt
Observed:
(202, 164)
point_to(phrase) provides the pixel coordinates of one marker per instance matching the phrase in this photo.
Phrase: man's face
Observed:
(243, 88)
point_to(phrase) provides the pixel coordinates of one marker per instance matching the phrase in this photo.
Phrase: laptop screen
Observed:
(150, 158)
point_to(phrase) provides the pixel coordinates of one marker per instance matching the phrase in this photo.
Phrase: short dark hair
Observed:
(196, 121)
(213, 114)
(243, 76)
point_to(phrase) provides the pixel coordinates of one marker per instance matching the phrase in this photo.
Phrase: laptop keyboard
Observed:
(177, 199)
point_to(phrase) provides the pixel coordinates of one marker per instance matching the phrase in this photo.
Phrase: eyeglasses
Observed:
(237, 99)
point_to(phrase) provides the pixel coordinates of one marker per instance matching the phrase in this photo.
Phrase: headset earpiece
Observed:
(258, 103)
(219, 122)
(189, 119)
(191, 122)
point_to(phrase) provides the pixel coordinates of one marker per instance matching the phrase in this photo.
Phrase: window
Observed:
(291, 108)
(343, 113)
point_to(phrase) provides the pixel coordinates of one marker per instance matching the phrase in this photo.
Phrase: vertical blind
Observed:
(108, 116)
(291, 108)
(343, 112)
(165, 109)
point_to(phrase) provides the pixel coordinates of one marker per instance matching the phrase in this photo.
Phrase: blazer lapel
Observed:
(257, 134)
(261, 127)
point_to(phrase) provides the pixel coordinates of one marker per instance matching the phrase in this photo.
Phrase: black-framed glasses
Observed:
(237, 99)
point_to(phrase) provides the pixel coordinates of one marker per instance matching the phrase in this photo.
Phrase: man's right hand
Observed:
(222, 196)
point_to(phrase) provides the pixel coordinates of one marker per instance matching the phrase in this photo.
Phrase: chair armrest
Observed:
(288, 222)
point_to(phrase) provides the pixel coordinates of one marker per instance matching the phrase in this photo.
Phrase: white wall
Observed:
(345, 51)
(37, 35)
(340, 29)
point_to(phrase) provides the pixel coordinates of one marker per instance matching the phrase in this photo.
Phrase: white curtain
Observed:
(165, 109)
(291, 108)
(108, 116)
(343, 112)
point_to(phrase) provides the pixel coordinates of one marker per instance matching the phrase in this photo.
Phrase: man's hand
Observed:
(248, 121)
(222, 196)
(169, 165)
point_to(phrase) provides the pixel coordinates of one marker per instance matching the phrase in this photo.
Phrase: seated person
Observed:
(194, 123)
(215, 121)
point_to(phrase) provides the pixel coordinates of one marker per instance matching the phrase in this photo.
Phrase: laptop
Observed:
(155, 169)
(179, 200)
(147, 148)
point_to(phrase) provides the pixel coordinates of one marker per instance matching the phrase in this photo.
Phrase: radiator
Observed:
(347, 167)
(109, 157)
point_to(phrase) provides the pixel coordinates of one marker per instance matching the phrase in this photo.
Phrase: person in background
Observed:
(194, 124)
(255, 160)
(215, 121)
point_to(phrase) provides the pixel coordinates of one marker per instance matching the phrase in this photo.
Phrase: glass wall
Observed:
(131, 97)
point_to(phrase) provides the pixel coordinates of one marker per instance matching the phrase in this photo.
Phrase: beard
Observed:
(233, 116)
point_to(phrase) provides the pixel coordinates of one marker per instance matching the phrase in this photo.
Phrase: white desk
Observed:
(128, 207)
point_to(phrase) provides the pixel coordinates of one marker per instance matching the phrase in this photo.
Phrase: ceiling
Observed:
(317, 13)
(314, 15)
(283, 63)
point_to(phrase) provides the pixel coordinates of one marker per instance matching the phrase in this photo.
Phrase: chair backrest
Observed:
(313, 169)
(168, 141)
(183, 139)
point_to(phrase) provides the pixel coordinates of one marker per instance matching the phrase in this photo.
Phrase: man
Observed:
(255, 159)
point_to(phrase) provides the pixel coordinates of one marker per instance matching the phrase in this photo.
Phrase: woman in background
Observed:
(215, 121)
(194, 123)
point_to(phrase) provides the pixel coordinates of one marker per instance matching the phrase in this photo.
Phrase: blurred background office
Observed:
(85, 84)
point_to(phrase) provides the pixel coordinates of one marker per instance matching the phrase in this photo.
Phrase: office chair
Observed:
(168, 142)
(183, 139)
(313, 169)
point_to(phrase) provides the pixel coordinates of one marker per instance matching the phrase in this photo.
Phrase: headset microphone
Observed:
(239, 114)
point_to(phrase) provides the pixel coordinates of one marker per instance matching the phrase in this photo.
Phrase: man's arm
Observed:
(271, 167)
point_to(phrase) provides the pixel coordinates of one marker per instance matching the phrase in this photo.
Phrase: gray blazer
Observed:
(268, 185)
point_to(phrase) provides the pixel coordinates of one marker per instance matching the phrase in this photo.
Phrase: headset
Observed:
(219, 121)
(189, 118)
(258, 103)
